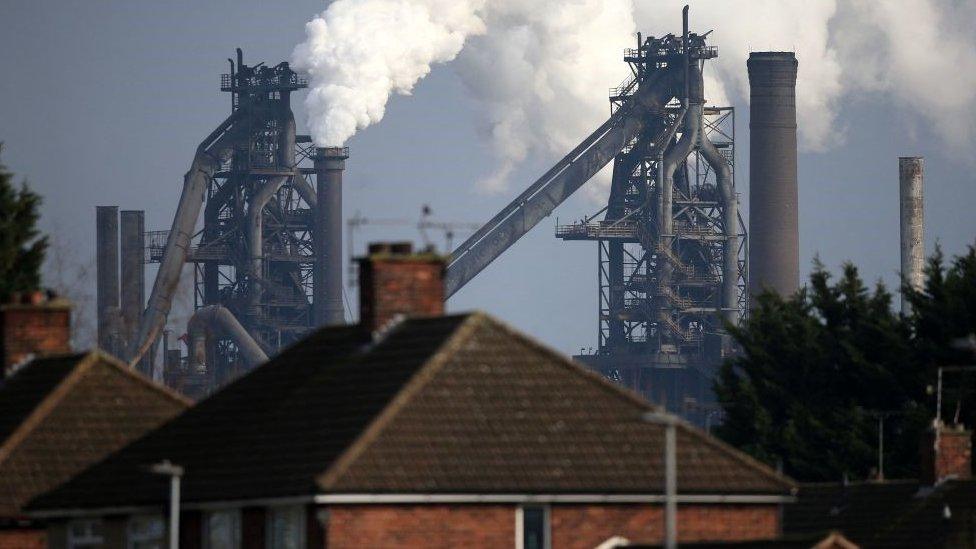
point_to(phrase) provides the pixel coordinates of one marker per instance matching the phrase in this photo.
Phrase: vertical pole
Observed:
(670, 486)
(174, 511)
(881, 446)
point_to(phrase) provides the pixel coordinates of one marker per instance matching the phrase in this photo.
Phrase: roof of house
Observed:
(891, 514)
(449, 405)
(61, 414)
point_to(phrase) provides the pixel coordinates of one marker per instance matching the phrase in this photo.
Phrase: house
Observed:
(61, 413)
(938, 510)
(425, 431)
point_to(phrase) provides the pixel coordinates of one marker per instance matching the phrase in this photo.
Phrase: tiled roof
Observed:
(899, 514)
(455, 404)
(59, 415)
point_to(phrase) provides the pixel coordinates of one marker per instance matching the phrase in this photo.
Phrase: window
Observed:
(146, 532)
(286, 527)
(532, 527)
(85, 533)
(222, 529)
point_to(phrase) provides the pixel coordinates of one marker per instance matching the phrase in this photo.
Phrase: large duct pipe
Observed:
(255, 223)
(107, 276)
(211, 153)
(219, 319)
(133, 275)
(730, 259)
(329, 162)
(910, 178)
(774, 247)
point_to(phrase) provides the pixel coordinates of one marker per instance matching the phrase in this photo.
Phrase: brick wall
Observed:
(35, 326)
(23, 538)
(953, 458)
(408, 526)
(586, 526)
(572, 526)
(395, 281)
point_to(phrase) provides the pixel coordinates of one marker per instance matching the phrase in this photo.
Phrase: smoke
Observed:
(542, 71)
(541, 68)
(358, 52)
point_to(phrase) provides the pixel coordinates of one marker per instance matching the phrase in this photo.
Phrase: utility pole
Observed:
(175, 473)
(670, 423)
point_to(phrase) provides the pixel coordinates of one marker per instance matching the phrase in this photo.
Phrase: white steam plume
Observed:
(357, 52)
(541, 67)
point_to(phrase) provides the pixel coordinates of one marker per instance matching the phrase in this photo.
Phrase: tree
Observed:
(814, 370)
(21, 246)
(943, 311)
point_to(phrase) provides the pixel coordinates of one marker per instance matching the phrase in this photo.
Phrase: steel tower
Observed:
(671, 245)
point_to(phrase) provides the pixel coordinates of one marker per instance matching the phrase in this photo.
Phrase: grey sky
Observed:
(104, 102)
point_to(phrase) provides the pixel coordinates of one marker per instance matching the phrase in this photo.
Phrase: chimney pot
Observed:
(946, 452)
(33, 325)
(393, 281)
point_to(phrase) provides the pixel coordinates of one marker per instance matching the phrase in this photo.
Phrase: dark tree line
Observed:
(21, 245)
(817, 368)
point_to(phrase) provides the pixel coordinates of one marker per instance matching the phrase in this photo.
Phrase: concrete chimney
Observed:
(946, 452)
(107, 276)
(393, 280)
(133, 275)
(32, 325)
(774, 238)
(329, 163)
(910, 177)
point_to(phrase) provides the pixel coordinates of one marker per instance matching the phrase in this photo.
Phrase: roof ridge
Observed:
(433, 364)
(132, 373)
(624, 392)
(48, 403)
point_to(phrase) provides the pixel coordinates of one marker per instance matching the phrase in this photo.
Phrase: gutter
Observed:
(399, 499)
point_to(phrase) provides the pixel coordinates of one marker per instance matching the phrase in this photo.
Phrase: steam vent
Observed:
(774, 249)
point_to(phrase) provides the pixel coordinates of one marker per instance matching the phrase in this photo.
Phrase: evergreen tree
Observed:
(21, 246)
(943, 312)
(814, 371)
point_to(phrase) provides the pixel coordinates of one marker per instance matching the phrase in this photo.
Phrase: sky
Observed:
(103, 103)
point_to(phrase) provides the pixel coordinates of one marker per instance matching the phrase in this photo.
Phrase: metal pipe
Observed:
(211, 153)
(730, 264)
(774, 251)
(133, 275)
(910, 179)
(107, 275)
(329, 163)
(670, 424)
(255, 224)
(217, 318)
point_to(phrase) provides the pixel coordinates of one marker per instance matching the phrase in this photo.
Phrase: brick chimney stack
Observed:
(33, 324)
(946, 452)
(393, 280)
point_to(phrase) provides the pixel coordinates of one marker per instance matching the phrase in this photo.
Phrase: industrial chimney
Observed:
(910, 177)
(774, 261)
(133, 287)
(329, 163)
(107, 276)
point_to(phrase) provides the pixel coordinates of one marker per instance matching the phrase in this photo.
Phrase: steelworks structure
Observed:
(671, 244)
(270, 239)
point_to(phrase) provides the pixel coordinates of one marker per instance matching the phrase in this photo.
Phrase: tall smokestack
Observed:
(107, 275)
(774, 261)
(329, 163)
(910, 176)
(133, 275)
